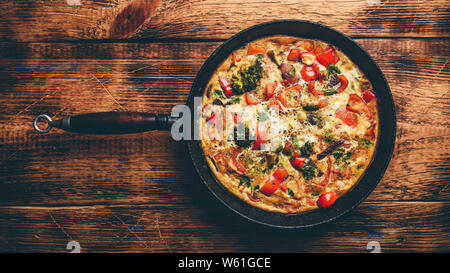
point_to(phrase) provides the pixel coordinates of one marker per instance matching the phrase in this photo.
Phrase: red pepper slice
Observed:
(280, 174)
(237, 118)
(270, 186)
(298, 162)
(312, 89)
(212, 118)
(368, 95)
(346, 116)
(226, 86)
(358, 105)
(328, 56)
(325, 181)
(251, 99)
(294, 55)
(326, 200)
(344, 83)
(291, 96)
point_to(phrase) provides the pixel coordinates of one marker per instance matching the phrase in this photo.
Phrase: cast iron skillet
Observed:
(126, 122)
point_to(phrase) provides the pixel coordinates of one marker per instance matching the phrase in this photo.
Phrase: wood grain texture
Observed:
(397, 226)
(71, 78)
(24, 20)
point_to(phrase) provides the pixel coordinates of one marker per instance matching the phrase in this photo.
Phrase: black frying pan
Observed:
(126, 122)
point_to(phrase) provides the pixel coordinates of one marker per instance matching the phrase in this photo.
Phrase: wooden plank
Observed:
(70, 78)
(397, 226)
(39, 20)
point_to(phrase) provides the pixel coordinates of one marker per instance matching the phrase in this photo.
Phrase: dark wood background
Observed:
(137, 193)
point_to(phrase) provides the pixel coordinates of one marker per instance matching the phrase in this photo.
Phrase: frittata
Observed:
(288, 124)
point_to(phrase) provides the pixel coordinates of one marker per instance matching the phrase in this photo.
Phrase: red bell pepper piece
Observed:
(327, 57)
(368, 95)
(294, 55)
(298, 162)
(226, 86)
(326, 179)
(270, 186)
(284, 98)
(346, 116)
(280, 174)
(358, 105)
(344, 83)
(251, 99)
(326, 200)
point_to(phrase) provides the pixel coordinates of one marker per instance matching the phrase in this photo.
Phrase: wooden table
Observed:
(137, 193)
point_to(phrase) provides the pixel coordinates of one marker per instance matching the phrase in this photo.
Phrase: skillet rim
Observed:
(199, 161)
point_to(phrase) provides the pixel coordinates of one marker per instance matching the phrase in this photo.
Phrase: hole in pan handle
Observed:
(108, 123)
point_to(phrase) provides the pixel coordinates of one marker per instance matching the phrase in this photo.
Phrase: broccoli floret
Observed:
(307, 149)
(242, 140)
(247, 79)
(308, 170)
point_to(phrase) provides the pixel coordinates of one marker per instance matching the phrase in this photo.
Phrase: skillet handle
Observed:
(108, 123)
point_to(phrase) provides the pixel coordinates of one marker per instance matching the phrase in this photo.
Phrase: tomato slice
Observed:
(253, 49)
(251, 99)
(294, 55)
(226, 86)
(346, 116)
(344, 83)
(326, 200)
(358, 105)
(368, 95)
(270, 186)
(328, 56)
(270, 89)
